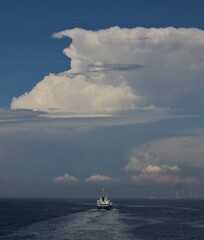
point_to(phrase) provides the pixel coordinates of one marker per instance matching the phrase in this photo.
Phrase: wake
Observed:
(88, 225)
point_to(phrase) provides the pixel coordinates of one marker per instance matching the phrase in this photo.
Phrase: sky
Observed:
(101, 94)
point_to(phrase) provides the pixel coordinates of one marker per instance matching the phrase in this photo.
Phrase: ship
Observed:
(103, 202)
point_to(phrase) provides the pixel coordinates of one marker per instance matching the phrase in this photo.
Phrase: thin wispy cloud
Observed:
(100, 67)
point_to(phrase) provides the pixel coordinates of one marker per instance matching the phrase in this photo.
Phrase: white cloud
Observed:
(65, 179)
(158, 175)
(139, 159)
(120, 68)
(99, 178)
(160, 169)
(163, 174)
(64, 94)
(147, 168)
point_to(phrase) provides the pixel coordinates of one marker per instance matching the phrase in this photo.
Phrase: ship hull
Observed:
(104, 207)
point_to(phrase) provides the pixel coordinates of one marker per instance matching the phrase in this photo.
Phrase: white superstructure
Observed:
(103, 202)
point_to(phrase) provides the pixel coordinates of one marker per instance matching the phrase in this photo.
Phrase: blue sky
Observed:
(28, 52)
(126, 114)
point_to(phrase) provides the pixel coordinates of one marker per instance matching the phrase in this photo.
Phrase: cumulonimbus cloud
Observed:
(119, 69)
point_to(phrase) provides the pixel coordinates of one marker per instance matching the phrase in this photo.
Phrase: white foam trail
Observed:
(93, 224)
(88, 225)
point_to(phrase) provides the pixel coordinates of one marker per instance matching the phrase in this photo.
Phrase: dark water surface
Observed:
(78, 219)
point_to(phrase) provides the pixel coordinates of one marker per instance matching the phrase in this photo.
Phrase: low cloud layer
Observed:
(146, 168)
(66, 178)
(163, 174)
(119, 69)
(99, 178)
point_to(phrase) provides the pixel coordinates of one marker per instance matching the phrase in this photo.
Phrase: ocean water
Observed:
(78, 219)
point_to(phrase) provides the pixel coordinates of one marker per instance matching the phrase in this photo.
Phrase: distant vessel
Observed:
(103, 202)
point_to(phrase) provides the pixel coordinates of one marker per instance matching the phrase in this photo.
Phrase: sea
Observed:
(71, 219)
